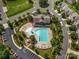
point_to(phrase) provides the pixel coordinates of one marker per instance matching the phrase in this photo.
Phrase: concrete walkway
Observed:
(71, 51)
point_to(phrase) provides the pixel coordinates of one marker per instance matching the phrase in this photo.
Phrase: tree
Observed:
(55, 41)
(6, 55)
(30, 1)
(57, 49)
(55, 20)
(1, 29)
(21, 38)
(24, 16)
(0, 17)
(64, 14)
(48, 11)
(74, 46)
(33, 39)
(46, 56)
(38, 11)
(11, 0)
(36, 50)
(74, 36)
(57, 2)
(60, 36)
(58, 9)
(76, 5)
(69, 22)
(43, 3)
(19, 17)
(10, 24)
(16, 23)
(4, 52)
(29, 18)
(72, 56)
(5, 2)
(72, 28)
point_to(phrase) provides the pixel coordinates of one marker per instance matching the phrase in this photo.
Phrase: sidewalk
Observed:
(71, 51)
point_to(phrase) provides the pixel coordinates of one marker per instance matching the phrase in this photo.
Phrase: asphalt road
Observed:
(65, 41)
(65, 35)
(3, 15)
(22, 53)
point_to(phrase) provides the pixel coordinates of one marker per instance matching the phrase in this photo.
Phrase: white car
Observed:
(34, 13)
(61, 24)
(4, 39)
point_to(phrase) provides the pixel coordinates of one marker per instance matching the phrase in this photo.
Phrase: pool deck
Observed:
(26, 26)
(40, 45)
(45, 45)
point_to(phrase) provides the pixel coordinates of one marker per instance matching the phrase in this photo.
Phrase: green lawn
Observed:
(15, 7)
(48, 52)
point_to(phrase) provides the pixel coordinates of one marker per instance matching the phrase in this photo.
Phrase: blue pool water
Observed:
(43, 34)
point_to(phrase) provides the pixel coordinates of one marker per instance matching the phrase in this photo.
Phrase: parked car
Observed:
(61, 23)
(34, 13)
(4, 38)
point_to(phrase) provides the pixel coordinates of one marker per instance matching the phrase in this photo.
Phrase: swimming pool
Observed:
(43, 34)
